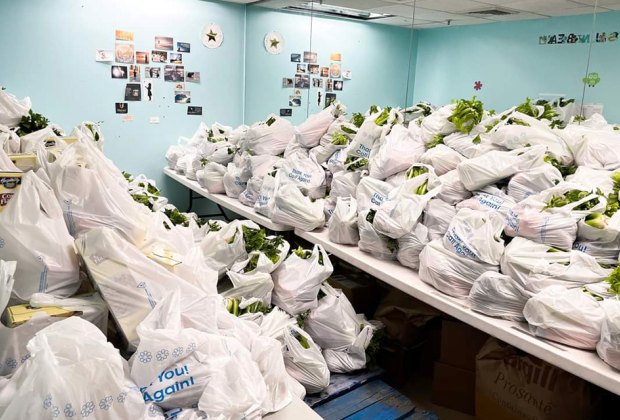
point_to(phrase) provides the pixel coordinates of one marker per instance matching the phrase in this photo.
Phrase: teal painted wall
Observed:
(48, 49)
(378, 56)
(511, 64)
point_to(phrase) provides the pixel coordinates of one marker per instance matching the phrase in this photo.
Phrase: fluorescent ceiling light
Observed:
(328, 9)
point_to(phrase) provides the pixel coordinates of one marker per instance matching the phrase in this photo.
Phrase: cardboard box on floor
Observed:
(454, 388)
(511, 385)
(460, 344)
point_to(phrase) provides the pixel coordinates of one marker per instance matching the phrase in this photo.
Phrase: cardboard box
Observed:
(20, 314)
(460, 344)
(397, 363)
(454, 388)
(362, 292)
(512, 385)
(24, 161)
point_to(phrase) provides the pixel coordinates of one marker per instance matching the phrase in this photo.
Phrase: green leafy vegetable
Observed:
(31, 123)
(597, 220)
(348, 130)
(357, 119)
(467, 114)
(476, 140)
(370, 217)
(392, 244)
(382, 119)
(354, 163)
(374, 347)
(91, 128)
(614, 281)
(270, 121)
(565, 170)
(213, 226)
(340, 139)
(176, 217)
(416, 171)
(571, 197)
(306, 253)
(232, 306)
(373, 109)
(437, 139)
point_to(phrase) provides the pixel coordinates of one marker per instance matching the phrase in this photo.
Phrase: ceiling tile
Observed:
(352, 4)
(603, 3)
(396, 10)
(547, 7)
(451, 6)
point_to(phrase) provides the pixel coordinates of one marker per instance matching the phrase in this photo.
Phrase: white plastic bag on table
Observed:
(12, 109)
(541, 200)
(297, 281)
(603, 252)
(367, 135)
(257, 285)
(397, 179)
(437, 217)
(608, 348)
(399, 151)
(193, 268)
(437, 123)
(225, 246)
(533, 181)
(223, 153)
(496, 165)
(343, 223)
(92, 131)
(447, 272)
(292, 208)
(330, 145)
(535, 266)
(235, 180)
(344, 183)
(52, 382)
(315, 127)
(470, 145)
(263, 263)
(34, 234)
(189, 164)
(293, 148)
(593, 179)
(306, 174)
(379, 246)
(336, 161)
(333, 324)
(442, 158)
(264, 139)
(220, 131)
(536, 133)
(552, 229)
(490, 199)
(93, 193)
(498, 295)
(201, 134)
(476, 235)
(568, 316)
(174, 153)
(250, 195)
(262, 165)
(211, 177)
(9, 140)
(411, 245)
(371, 193)
(265, 202)
(129, 282)
(237, 136)
(452, 189)
(593, 148)
(306, 364)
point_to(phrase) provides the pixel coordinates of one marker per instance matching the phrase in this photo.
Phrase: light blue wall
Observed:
(511, 64)
(377, 54)
(48, 50)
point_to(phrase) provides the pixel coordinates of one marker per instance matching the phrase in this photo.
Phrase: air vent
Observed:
(492, 12)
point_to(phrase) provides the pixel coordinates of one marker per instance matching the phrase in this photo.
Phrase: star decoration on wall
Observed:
(478, 85)
(274, 43)
(212, 35)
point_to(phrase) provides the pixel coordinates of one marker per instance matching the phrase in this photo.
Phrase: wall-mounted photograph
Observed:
(163, 43)
(121, 107)
(287, 82)
(159, 56)
(176, 58)
(133, 92)
(183, 47)
(142, 57)
(134, 73)
(310, 57)
(313, 68)
(296, 58)
(124, 53)
(294, 100)
(182, 96)
(194, 110)
(302, 81)
(152, 72)
(119, 72)
(192, 76)
(302, 68)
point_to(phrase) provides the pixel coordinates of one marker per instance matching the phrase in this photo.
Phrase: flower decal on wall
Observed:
(478, 85)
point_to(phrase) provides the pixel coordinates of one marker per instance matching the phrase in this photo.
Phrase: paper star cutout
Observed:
(478, 85)
(274, 42)
(211, 35)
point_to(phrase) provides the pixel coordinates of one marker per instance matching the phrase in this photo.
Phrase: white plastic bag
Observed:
(371, 193)
(262, 165)
(367, 135)
(250, 195)
(470, 145)
(89, 307)
(12, 109)
(535, 266)
(449, 273)
(344, 183)
(379, 246)
(569, 316)
(292, 208)
(452, 189)
(489, 199)
(225, 246)
(311, 130)
(476, 235)
(498, 295)
(343, 223)
(524, 184)
(297, 281)
(593, 148)
(33, 233)
(235, 180)
(9, 140)
(411, 245)
(437, 217)
(608, 348)
(496, 165)
(265, 202)
(399, 151)
(211, 177)
(442, 158)
(257, 285)
(129, 282)
(306, 174)
(263, 138)
(304, 362)
(592, 179)
(63, 355)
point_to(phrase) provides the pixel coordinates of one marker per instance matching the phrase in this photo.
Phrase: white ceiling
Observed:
(438, 13)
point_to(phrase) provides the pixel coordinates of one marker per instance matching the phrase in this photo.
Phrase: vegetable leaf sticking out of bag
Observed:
(31, 123)
(565, 170)
(270, 121)
(176, 217)
(570, 197)
(614, 281)
(597, 220)
(340, 139)
(467, 114)
(354, 163)
(437, 139)
(232, 306)
(306, 253)
(357, 119)
(213, 226)
(382, 119)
